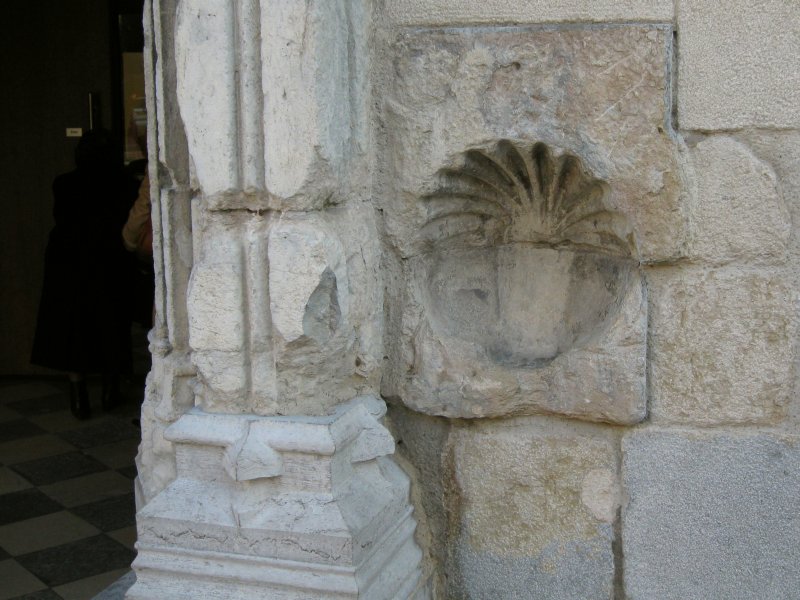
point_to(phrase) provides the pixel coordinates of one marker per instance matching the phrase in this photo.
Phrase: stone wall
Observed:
(556, 238)
(685, 483)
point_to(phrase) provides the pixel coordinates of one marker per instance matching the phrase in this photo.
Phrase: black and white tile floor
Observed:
(67, 526)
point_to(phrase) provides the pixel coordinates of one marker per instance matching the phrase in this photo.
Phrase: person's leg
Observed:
(79, 396)
(111, 397)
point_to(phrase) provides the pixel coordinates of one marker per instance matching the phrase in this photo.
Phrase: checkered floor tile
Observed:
(67, 526)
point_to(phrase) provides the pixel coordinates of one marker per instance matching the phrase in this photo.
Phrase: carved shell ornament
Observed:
(517, 192)
(524, 259)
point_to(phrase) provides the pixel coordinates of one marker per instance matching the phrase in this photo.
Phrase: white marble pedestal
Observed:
(280, 508)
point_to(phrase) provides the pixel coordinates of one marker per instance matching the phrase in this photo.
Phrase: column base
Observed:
(281, 507)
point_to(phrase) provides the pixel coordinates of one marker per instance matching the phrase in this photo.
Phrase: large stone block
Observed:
(276, 325)
(737, 64)
(529, 171)
(444, 12)
(268, 93)
(597, 93)
(722, 345)
(711, 516)
(537, 503)
(737, 212)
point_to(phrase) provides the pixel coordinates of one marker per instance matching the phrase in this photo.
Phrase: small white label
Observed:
(74, 131)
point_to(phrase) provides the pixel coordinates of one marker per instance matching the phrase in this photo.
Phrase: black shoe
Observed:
(111, 397)
(79, 400)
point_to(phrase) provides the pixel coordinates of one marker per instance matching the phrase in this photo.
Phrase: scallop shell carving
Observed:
(512, 192)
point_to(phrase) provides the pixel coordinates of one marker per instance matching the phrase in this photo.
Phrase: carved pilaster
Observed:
(266, 471)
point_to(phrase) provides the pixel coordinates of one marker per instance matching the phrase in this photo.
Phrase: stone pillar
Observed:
(265, 469)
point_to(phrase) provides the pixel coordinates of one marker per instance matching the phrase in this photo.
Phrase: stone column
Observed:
(265, 470)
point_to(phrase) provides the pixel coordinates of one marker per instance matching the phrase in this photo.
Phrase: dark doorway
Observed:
(53, 55)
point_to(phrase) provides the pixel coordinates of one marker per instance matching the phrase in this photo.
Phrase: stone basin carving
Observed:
(526, 296)
(526, 261)
(524, 305)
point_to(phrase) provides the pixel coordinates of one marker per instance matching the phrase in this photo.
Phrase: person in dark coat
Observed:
(83, 324)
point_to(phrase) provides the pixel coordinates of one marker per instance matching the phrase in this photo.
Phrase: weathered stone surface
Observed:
(596, 93)
(278, 83)
(275, 325)
(537, 503)
(454, 370)
(446, 12)
(722, 345)
(168, 395)
(292, 508)
(424, 453)
(204, 52)
(530, 191)
(737, 212)
(521, 227)
(711, 515)
(737, 65)
(167, 142)
(781, 150)
(526, 296)
(306, 265)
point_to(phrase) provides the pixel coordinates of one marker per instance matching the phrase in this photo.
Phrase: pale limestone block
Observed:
(319, 359)
(215, 303)
(445, 12)
(737, 212)
(529, 173)
(225, 375)
(711, 515)
(174, 209)
(469, 361)
(601, 495)
(537, 499)
(307, 101)
(737, 64)
(599, 94)
(721, 347)
(275, 325)
(781, 150)
(306, 269)
(205, 56)
(218, 329)
(168, 395)
(166, 141)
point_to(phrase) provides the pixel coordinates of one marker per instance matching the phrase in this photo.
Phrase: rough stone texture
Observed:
(275, 325)
(446, 12)
(537, 501)
(737, 212)
(781, 150)
(559, 176)
(711, 515)
(722, 345)
(284, 303)
(166, 143)
(424, 451)
(454, 371)
(281, 316)
(512, 201)
(598, 93)
(285, 99)
(737, 64)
